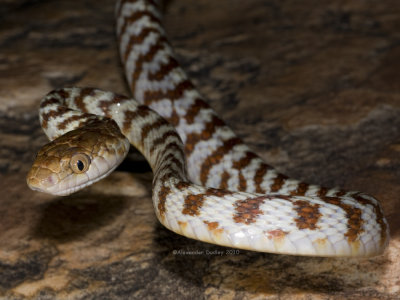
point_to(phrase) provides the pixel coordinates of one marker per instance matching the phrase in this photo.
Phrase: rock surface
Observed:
(314, 87)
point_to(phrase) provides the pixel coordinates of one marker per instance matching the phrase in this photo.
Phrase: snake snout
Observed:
(42, 180)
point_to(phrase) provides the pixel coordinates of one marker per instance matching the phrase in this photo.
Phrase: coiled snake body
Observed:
(207, 184)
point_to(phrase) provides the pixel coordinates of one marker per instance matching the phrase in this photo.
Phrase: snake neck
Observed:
(153, 136)
(156, 139)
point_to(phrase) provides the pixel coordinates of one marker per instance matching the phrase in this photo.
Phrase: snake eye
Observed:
(79, 163)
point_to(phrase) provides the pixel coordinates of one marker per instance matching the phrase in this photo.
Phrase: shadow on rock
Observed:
(72, 218)
(394, 221)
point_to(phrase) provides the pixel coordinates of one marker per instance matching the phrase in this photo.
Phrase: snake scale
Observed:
(208, 185)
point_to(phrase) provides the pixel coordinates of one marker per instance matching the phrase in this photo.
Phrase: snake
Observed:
(207, 184)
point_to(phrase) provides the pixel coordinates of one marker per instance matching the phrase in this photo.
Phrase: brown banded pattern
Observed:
(222, 216)
(198, 125)
(212, 187)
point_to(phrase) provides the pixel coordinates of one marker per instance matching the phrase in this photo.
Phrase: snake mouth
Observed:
(41, 183)
(57, 189)
(35, 188)
(71, 190)
(68, 185)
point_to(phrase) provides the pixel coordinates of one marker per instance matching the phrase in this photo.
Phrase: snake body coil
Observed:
(207, 184)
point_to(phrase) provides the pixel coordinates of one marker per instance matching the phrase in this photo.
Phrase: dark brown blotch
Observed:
(140, 112)
(211, 225)
(209, 129)
(136, 16)
(197, 106)
(143, 58)
(161, 140)
(173, 94)
(308, 214)
(162, 198)
(259, 177)
(278, 183)
(80, 98)
(192, 204)
(301, 190)
(164, 69)
(53, 114)
(248, 210)
(353, 214)
(378, 213)
(224, 180)
(215, 157)
(106, 104)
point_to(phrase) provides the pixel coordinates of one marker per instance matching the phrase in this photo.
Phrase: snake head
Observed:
(78, 158)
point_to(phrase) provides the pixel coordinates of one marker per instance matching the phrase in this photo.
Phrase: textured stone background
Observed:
(313, 86)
